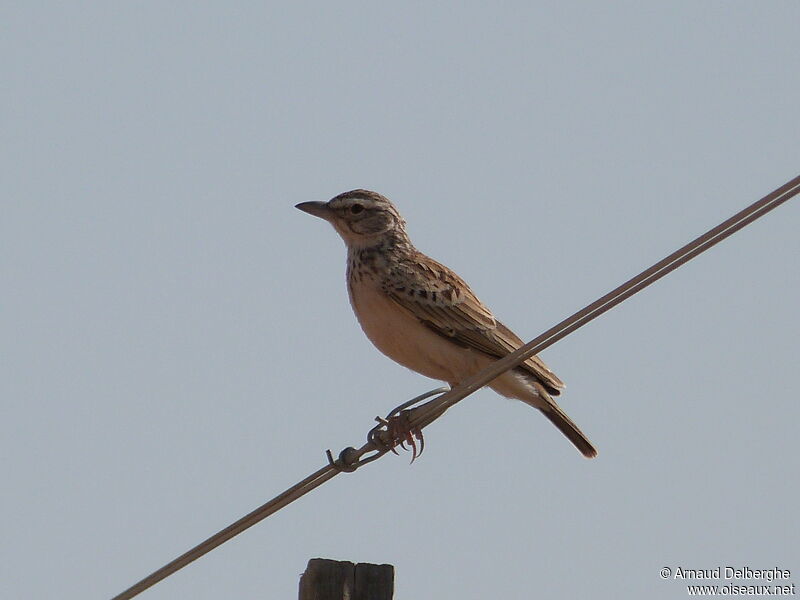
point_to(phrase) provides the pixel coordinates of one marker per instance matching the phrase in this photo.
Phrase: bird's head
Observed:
(363, 218)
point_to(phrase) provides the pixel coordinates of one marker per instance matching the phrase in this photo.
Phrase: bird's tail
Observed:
(565, 425)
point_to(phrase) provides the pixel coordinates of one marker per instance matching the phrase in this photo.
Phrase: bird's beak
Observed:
(318, 209)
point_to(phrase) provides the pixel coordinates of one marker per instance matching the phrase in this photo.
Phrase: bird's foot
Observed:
(397, 428)
(401, 432)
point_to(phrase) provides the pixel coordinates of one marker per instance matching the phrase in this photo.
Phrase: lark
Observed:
(423, 316)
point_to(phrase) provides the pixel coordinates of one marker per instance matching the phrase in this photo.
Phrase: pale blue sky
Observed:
(176, 345)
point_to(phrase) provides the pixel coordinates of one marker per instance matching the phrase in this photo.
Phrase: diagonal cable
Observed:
(350, 458)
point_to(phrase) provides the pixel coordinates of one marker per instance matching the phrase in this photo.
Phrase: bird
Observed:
(423, 316)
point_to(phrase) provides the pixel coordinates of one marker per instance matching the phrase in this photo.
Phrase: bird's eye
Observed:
(356, 208)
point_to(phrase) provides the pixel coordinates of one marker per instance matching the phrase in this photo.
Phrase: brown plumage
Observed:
(424, 316)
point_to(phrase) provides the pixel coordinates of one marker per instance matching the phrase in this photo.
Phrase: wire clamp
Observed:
(347, 462)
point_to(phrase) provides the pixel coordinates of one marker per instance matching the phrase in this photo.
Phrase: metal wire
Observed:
(262, 512)
(350, 458)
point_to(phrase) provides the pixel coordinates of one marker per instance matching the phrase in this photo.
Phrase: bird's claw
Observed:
(401, 432)
(396, 430)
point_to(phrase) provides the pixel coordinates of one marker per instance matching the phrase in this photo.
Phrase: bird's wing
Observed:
(443, 301)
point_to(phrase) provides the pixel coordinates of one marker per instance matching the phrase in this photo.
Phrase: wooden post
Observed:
(327, 579)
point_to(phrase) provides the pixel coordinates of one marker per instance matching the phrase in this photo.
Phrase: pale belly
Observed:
(404, 339)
